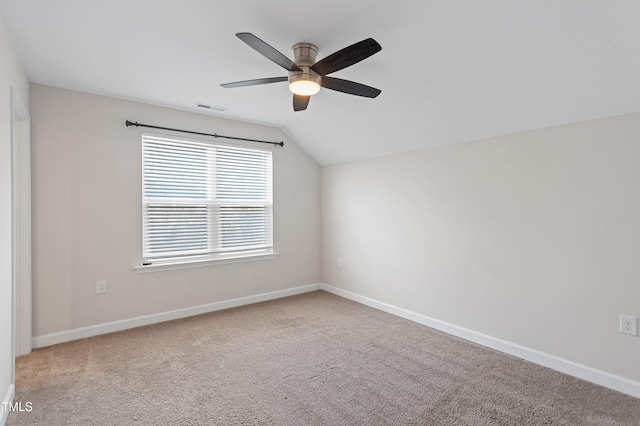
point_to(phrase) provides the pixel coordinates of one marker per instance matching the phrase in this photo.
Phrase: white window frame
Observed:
(213, 255)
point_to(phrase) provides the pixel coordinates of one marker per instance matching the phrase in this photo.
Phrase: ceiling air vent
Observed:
(211, 107)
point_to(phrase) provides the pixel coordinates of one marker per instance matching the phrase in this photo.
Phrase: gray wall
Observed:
(533, 238)
(87, 215)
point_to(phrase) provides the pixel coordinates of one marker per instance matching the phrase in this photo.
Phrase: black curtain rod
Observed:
(215, 135)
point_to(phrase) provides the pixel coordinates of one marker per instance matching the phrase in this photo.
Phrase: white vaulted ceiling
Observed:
(449, 71)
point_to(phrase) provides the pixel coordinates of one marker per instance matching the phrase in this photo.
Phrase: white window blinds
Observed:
(203, 199)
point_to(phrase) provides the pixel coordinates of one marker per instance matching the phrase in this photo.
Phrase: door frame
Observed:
(20, 228)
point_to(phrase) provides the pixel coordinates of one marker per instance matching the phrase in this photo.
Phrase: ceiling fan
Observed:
(306, 76)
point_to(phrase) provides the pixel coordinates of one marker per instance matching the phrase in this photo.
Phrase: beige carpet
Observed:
(313, 359)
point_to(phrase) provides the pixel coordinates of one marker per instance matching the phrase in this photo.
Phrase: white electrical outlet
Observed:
(339, 262)
(629, 325)
(101, 286)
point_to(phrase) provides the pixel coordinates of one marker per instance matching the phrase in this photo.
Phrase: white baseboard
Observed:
(11, 393)
(110, 327)
(602, 378)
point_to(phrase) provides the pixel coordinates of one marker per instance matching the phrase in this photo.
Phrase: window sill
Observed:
(168, 265)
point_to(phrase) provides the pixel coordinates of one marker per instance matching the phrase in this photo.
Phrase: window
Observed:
(204, 201)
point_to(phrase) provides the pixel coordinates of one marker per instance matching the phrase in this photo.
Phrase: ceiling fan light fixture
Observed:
(304, 83)
(304, 87)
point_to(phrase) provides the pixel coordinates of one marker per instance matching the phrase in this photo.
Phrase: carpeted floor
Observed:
(313, 359)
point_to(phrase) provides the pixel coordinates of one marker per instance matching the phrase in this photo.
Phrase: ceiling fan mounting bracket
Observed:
(305, 54)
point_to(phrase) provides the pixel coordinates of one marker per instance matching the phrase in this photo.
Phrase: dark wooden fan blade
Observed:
(255, 82)
(300, 102)
(350, 87)
(346, 57)
(267, 51)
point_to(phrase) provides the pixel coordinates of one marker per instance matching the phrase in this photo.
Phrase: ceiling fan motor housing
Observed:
(305, 57)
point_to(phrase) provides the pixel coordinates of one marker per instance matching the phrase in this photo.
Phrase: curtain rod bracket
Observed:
(215, 135)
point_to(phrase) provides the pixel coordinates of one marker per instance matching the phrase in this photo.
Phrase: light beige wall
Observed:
(11, 75)
(87, 215)
(533, 238)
